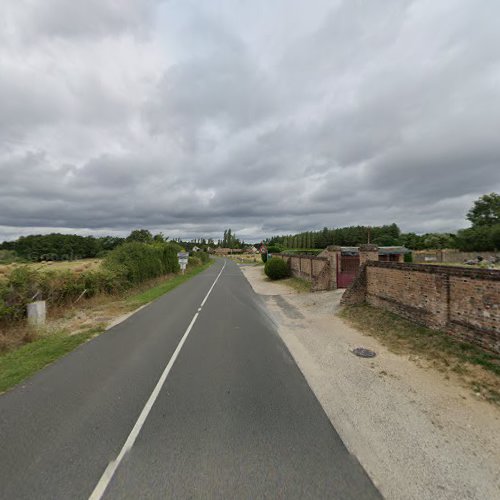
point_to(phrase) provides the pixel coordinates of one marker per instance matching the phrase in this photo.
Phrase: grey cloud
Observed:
(68, 19)
(376, 112)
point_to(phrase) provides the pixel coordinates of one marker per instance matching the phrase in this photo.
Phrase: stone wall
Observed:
(320, 271)
(461, 301)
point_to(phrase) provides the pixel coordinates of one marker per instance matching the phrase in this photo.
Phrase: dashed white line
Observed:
(113, 466)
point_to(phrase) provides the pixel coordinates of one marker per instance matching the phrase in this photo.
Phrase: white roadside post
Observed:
(36, 313)
(183, 260)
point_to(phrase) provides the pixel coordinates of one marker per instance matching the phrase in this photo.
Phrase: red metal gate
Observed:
(347, 269)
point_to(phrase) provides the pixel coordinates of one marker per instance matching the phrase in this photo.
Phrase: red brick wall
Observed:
(464, 302)
(317, 270)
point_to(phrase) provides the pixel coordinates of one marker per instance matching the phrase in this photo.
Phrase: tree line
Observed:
(482, 235)
(56, 246)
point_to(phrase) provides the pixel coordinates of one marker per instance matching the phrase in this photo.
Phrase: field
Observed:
(244, 258)
(77, 266)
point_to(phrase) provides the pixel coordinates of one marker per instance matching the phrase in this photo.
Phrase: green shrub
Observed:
(204, 257)
(274, 249)
(194, 262)
(276, 269)
(138, 262)
(263, 256)
(170, 259)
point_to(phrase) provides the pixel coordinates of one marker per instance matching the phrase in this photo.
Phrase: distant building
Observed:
(227, 251)
(392, 254)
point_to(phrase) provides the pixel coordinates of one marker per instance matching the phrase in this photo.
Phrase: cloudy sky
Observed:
(266, 116)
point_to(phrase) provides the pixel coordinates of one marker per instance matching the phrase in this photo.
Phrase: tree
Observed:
(475, 239)
(140, 235)
(485, 211)
(495, 236)
(160, 237)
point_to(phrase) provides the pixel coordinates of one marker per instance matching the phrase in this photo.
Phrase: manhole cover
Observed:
(364, 353)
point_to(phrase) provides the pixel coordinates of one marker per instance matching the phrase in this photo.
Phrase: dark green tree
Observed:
(140, 235)
(485, 211)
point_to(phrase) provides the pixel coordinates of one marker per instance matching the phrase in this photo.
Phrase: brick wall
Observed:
(317, 270)
(464, 302)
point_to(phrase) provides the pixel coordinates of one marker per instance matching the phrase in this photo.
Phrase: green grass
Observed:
(19, 364)
(159, 290)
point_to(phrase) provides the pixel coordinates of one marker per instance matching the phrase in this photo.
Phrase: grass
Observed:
(17, 365)
(21, 362)
(76, 266)
(298, 284)
(159, 290)
(254, 259)
(479, 368)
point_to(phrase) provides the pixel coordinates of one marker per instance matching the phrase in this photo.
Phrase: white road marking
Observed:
(105, 479)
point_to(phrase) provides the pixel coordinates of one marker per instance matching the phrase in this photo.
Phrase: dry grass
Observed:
(298, 284)
(15, 334)
(246, 258)
(476, 368)
(77, 266)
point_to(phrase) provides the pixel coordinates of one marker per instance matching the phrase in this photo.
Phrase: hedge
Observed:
(276, 269)
(125, 266)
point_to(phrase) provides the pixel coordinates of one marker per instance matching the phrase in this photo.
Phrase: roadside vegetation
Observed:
(298, 284)
(276, 269)
(477, 368)
(26, 349)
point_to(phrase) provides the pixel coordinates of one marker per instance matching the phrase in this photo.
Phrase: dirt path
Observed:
(418, 435)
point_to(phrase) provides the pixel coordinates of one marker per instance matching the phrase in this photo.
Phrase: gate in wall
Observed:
(347, 268)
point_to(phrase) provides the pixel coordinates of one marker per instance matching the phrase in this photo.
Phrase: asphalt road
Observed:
(233, 416)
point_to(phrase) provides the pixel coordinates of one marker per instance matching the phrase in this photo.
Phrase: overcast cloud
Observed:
(266, 116)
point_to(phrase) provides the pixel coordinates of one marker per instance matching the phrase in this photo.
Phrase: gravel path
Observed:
(417, 434)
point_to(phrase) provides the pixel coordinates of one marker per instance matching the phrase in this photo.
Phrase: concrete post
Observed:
(37, 313)
(333, 254)
(367, 252)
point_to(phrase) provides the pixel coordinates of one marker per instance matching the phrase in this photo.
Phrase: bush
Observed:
(138, 262)
(194, 262)
(263, 256)
(276, 269)
(170, 259)
(274, 249)
(203, 256)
